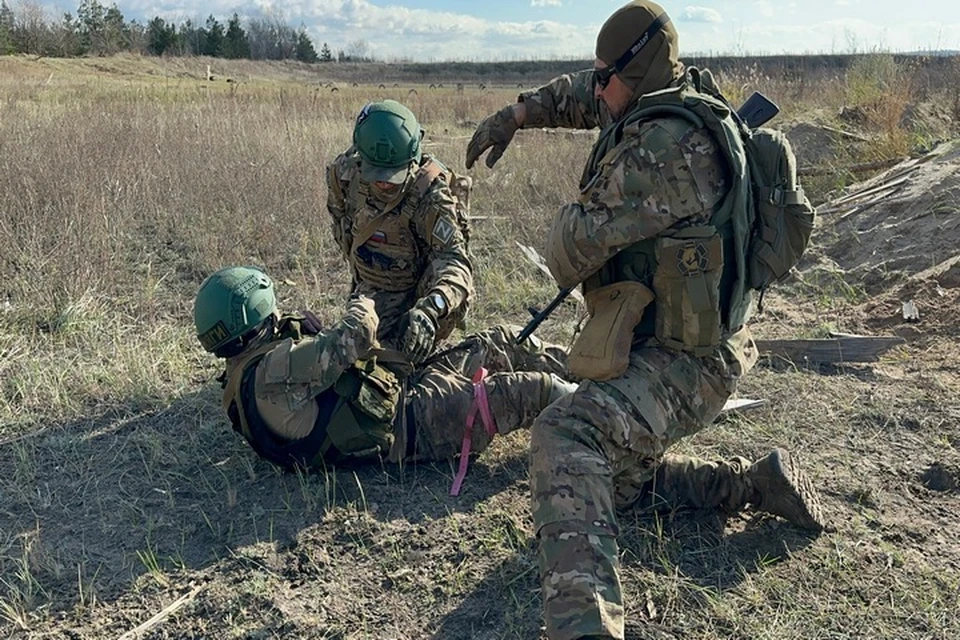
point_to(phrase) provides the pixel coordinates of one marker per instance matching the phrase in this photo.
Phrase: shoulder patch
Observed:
(347, 164)
(443, 230)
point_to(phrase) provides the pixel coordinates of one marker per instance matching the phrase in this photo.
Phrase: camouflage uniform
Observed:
(604, 447)
(294, 374)
(417, 249)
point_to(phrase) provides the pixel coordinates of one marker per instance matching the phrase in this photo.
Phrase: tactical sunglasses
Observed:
(604, 74)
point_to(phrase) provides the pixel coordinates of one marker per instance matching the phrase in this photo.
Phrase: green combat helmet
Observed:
(230, 303)
(387, 136)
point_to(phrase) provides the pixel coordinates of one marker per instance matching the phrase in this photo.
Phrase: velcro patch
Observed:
(214, 336)
(443, 231)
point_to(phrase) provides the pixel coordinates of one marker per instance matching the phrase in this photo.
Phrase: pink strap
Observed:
(480, 405)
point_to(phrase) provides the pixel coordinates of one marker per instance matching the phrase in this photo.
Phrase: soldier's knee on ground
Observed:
(580, 574)
(570, 477)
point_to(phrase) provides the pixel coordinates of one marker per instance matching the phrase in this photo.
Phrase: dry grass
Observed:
(124, 181)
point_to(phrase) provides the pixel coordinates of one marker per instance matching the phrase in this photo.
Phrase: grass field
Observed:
(124, 494)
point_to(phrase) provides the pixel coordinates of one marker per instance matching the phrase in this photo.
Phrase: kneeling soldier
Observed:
(308, 396)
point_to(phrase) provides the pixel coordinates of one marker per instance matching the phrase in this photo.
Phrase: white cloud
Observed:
(423, 34)
(828, 36)
(764, 8)
(400, 31)
(701, 14)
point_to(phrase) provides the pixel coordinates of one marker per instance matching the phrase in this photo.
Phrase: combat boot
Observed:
(556, 388)
(780, 488)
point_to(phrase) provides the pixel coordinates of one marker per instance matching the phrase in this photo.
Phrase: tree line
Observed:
(96, 29)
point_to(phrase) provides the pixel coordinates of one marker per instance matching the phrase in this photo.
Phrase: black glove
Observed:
(421, 333)
(310, 325)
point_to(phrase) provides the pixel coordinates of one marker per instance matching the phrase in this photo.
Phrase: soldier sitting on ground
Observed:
(399, 217)
(305, 395)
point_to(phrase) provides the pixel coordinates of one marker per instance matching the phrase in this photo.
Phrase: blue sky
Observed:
(509, 29)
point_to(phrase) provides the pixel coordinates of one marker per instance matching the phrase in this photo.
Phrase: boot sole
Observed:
(807, 511)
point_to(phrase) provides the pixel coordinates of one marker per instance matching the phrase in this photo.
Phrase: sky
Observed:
(434, 30)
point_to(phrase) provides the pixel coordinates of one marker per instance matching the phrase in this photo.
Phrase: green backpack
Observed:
(779, 217)
(784, 216)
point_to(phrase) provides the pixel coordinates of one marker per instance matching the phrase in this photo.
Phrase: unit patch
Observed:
(443, 231)
(692, 259)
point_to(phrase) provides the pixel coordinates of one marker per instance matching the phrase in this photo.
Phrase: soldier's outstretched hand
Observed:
(494, 133)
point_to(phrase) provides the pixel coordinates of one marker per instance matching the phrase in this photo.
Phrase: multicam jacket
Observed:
(413, 242)
(314, 400)
(650, 188)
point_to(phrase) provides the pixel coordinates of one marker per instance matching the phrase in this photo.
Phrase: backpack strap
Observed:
(781, 197)
(367, 232)
(396, 361)
(429, 171)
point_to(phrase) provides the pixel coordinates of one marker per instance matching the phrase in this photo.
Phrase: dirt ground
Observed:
(150, 518)
(242, 550)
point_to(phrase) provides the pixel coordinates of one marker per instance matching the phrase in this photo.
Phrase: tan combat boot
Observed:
(780, 488)
(556, 388)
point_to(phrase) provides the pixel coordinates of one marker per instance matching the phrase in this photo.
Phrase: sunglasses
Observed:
(605, 74)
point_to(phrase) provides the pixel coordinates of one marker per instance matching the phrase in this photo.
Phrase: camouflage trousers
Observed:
(441, 395)
(603, 448)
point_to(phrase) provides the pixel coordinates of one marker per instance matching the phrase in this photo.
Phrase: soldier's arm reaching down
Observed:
(567, 101)
(301, 370)
(667, 173)
(450, 273)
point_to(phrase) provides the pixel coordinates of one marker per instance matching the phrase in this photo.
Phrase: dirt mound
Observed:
(816, 144)
(904, 222)
(928, 119)
(936, 310)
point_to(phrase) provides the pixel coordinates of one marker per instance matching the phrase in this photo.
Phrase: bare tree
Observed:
(31, 31)
(358, 50)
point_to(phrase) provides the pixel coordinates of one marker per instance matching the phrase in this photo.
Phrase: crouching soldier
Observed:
(305, 395)
(399, 217)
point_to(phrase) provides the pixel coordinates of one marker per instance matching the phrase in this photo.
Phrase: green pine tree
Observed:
(215, 38)
(237, 45)
(161, 37)
(304, 51)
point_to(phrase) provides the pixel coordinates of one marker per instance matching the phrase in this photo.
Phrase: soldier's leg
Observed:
(684, 481)
(442, 402)
(586, 451)
(572, 485)
(497, 350)
(774, 484)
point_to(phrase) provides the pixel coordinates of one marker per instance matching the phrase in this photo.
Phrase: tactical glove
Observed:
(310, 325)
(420, 335)
(494, 133)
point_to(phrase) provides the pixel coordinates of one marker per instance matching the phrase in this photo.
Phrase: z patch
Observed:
(443, 231)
